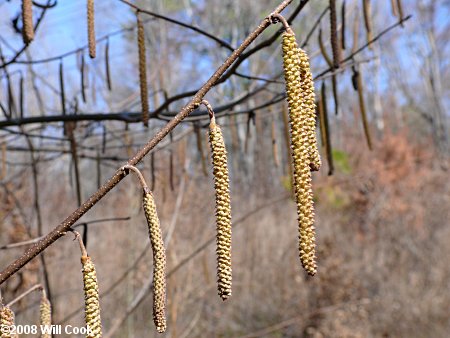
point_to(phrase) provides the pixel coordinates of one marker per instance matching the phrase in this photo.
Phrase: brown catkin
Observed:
(91, 28)
(323, 50)
(200, 149)
(6, 321)
(344, 24)
(82, 78)
(142, 71)
(91, 298)
(45, 314)
(334, 35)
(362, 107)
(367, 11)
(400, 11)
(223, 209)
(27, 19)
(159, 262)
(274, 142)
(394, 7)
(323, 110)
(300, 150)
(61, 88)
(107, 68)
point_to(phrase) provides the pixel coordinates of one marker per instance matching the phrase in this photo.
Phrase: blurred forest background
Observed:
(382, 217)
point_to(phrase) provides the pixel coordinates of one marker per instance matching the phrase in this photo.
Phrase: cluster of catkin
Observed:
(305, 156)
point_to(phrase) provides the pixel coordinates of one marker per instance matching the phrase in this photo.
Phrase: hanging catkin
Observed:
(308, 108)
(344, 24)
(333, 76)
(107, 69)
(61, 88)
(27, 19)
(142, 71)
(6, 322)
(91, 298)
(274, 141)
(394, 7)
(300, 153)
(325, 129)
(159, 262)
(334, 35)
(91, 28)
(200, 149)
(400, 11)
(367, 11)
(45, 314)
(323, 50)
(362, 106)
(355, 32)
(82, 78)
(21, 97)
(223, 209)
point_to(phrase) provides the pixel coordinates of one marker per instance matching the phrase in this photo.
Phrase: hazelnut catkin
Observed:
(223, 209)
(142, 71)
(159, 261)
(91, 28)
(91, 298)
(27, 19)
(300, 149)
(6, 321)
(308, 108)
(45, 314)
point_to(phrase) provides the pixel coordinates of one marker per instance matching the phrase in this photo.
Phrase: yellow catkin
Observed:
(91, 28)
(27, 18)
(45, 314)
(142, 71)
(91, 299)
(159, 262)
(308, 107)
(299, 126)
(6, 321)
(223, 209)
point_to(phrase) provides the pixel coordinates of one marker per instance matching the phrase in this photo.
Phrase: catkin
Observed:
(61, 87)
(27, 19)
(6, 321)
(300, 148)
(91, 28)
(107, 68)
(333, 35)
(344, 24)
(323, 110)
(82, 78)
(223, 209)
(45, 314)
(159, 262)
(91, 298)
(308, 108)
(400, 11)
(367, 11)
(394, 7)
(142, 71)
(362, 107)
